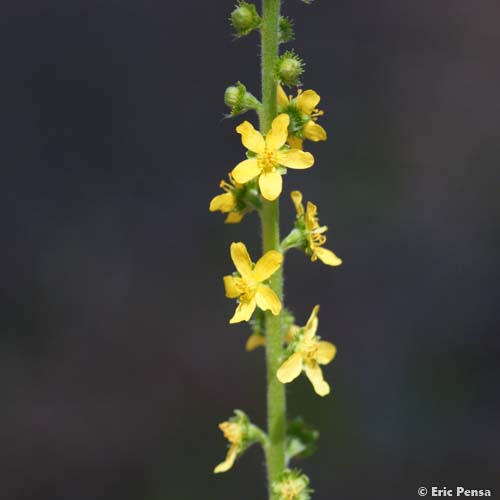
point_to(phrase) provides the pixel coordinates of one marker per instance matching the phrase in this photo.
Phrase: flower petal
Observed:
(270, 185)
(314, 132)
(294, 158)
(255, 341)
(243, 312)
(252, 139)
(229, 461)
(297, 201)
(224, 202)
(326, 352)
(315, 375)
(241, 259)
(234, 217)
(307, 101)
(246, 170)
(276, 137)
(295, 142)
(282, 98)
(312, 324)
(290, 369)
(267, 300)
(327, 256)
(232, 290)
(267, 265)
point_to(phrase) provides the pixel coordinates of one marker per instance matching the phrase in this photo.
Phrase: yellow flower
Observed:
(315, 237)
(304, 114)
(248, 287)
(228, 202)
(310, 352)
(269, 157)
(234, 432)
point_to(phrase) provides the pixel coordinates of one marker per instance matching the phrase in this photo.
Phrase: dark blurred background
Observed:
(117, 361)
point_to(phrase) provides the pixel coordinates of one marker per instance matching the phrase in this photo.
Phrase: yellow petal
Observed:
(229, 462)
(307, 101)
(252, 139)
(290, 369)
(311, 210)
(312, 324)
(270, 185)
(230, 286)
(294, 158)
(327, 256)
(326, 352)
(297, 201)
(234, 217)
(315, 375)
(282, 97)
(267, 300)
(276, 137)
(314, 132)
(241, 259)
(255, 341)
(223, 202)
(243, 312)
(295, 142)
(267, 265)
(246, 170)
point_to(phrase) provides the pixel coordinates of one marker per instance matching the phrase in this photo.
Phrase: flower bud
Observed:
(292, 485)
(285, 30)
(244, 18)
(289, 67)
(238, 100)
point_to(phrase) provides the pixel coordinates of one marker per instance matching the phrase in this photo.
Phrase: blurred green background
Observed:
(116, 358)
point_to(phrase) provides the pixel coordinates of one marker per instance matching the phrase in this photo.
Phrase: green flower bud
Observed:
(291, 485)
(289, 67)
(238, 100)
(285, 33)
(244, 18)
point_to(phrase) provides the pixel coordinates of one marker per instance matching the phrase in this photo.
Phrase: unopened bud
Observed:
(245, 18)
(289, 68)
(238, 100)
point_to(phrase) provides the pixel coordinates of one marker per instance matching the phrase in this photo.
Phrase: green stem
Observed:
(276, 398)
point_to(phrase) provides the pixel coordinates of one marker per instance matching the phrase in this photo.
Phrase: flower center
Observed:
(247, 288)
(291, 490)
(309, 349)
(232, 432)
(268, 160)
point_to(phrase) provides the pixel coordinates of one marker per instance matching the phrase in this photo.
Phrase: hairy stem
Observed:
(276, 398)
